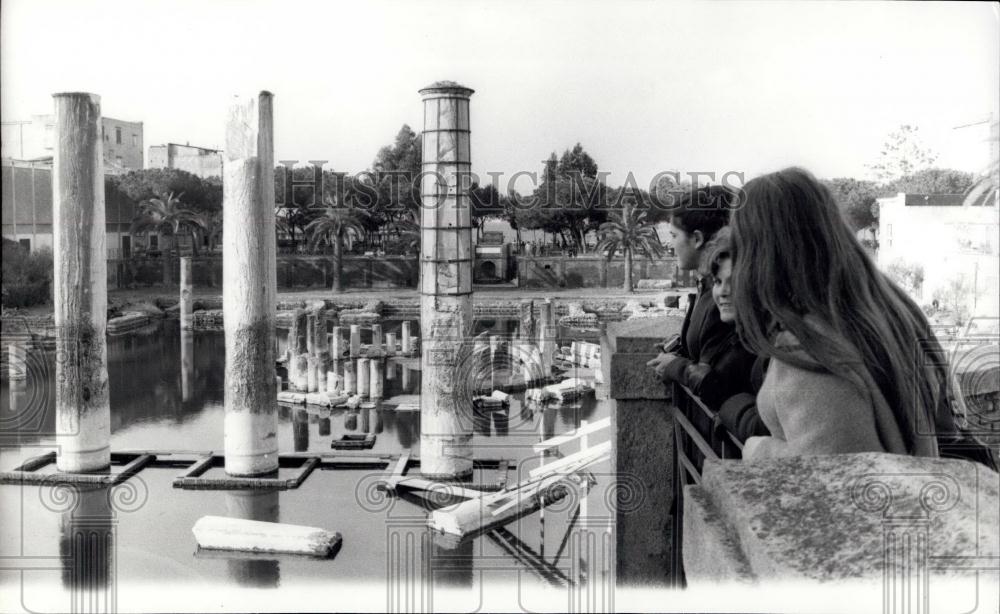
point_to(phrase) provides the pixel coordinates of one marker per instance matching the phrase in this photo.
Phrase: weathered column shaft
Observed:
(376, 340)
(390, 344)
(249, 288)
(186, 299)
(445, 282)
(80, 280)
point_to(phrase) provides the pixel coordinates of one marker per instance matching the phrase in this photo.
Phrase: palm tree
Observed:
(629, 232)
(332, 226)
(407, 228)
(208, 225)
(166, 216)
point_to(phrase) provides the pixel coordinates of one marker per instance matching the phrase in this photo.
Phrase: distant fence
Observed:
(294, 271)
(316, 271)
(592, 271)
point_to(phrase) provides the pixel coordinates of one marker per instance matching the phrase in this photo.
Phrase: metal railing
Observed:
(698, 435)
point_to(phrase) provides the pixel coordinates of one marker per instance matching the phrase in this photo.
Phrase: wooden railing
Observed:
(698, 435)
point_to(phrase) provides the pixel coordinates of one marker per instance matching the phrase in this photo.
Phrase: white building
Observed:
(200, 161)
(33, 140)
(951, 242)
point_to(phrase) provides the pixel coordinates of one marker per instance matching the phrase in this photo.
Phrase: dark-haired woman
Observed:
(853, 363)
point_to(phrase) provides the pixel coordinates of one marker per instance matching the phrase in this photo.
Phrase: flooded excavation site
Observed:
(265, 443)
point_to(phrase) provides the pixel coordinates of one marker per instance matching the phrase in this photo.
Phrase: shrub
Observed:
(27, 276)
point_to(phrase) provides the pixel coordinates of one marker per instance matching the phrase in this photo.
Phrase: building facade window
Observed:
(25, 243)
(135, 140)
(118, 136)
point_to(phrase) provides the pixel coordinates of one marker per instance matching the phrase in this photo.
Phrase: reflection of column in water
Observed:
(87, 547)
(451, 564)
(405, 383)
(351, 420)
(324, 427)
(375, 419)
(300, 431)
(262, 505)
(501, 420)
(548, 423)
(19, 413)
(481, 420)
(365, 421)
(407, 426)
(187, 364)
(390, 370)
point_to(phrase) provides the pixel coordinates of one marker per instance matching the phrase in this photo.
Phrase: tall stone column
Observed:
(186, 299)
(249, 288)
(445, 281)
(80, 285)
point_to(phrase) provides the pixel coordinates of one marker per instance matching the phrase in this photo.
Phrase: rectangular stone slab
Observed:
(221, 533)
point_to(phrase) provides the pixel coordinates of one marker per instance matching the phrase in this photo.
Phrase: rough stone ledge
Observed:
(826, 518)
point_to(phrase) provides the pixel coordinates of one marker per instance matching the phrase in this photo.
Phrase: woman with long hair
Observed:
(854, 366)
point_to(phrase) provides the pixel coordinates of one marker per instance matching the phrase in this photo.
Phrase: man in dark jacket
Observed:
(694, 225)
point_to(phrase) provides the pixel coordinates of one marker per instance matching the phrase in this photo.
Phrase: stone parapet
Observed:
(898, 521)
(643, 451)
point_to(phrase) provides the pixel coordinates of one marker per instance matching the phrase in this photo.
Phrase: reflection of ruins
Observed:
(250, 569)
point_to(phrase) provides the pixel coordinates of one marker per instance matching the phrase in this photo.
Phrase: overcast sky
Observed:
(645, 86)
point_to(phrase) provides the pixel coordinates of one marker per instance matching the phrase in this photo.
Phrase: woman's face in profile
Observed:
(722, 290)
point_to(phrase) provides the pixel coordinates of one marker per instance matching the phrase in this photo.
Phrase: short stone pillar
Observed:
(390, 344)
(186, 297)
(311, 332)
(80, 284)
(364, 376)
(406, 335)
(333, 379)
(350, 382)
(337, 343)
(377, 378)
(526, 332)
(355, 341)
(312, 373)
(376, 347)
(249, 289)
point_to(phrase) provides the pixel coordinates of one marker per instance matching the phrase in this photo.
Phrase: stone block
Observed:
(835, 517)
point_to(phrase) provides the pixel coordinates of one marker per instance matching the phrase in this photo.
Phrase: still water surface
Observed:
(158, 405)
